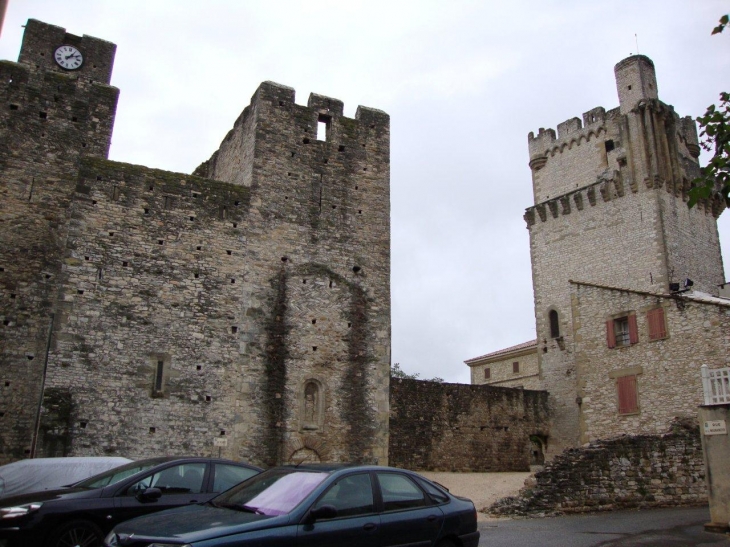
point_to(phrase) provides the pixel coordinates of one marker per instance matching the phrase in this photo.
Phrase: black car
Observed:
(80, 515)
(314, 506)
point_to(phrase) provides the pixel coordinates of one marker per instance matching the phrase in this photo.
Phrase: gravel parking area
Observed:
(482, 488)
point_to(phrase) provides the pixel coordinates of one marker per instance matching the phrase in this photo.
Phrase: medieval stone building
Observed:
(243, 310)
(612, 243)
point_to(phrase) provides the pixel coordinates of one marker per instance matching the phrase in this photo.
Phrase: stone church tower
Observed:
(243, 310)
(610, 195)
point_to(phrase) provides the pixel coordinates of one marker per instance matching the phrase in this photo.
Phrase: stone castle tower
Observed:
(610, 208)
(243, 310)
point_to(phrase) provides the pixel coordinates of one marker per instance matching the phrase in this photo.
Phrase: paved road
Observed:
(649, 528)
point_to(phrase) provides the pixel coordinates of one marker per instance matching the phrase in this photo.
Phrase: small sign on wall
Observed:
(222, 441)
(715, 427)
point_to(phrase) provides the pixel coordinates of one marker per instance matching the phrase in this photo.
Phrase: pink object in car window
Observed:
(286, 493)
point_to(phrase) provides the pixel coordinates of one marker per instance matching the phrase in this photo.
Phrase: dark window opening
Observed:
(125, 264)
(161, 241)
(314, 321)
(516, 367)
(554, 324)
(234, 329)
(159, 375)
(152, 430)
(198, 248)
(13, 107)
(229, 252)
(82, 425)
(487, 373)
(609, 145)
(42, 115)
(208, 398)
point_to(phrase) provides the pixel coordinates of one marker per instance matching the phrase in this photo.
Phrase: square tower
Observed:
(611, 208)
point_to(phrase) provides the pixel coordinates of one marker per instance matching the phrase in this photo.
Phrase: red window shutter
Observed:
(657, 326)
(610, 336)
(628, 401)
(633, 330)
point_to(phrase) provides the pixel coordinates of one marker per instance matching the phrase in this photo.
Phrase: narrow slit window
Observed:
(159, 375)
(323, 128)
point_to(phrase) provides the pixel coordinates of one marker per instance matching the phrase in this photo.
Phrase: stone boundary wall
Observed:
(622, 473)
(459, 427)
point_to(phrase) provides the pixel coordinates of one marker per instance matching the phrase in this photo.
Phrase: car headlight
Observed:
(19, 510)
(111, 540)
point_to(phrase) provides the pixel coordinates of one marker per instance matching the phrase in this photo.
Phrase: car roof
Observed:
(335, 467)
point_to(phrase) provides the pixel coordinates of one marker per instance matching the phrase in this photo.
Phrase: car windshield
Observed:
(115, 475)
(273, 492)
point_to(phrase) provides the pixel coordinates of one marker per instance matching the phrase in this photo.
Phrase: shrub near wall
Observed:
(458, 427)
(625, 472)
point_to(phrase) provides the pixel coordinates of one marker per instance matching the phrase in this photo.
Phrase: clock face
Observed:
(68, 57)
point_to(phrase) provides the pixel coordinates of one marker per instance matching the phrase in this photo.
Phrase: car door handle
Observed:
(370, 526)
(431, 518)
(193, 501)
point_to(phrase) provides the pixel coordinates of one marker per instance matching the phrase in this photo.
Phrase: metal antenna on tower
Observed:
(636, 37)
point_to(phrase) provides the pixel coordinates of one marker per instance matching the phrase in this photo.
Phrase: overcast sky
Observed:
(464, 83)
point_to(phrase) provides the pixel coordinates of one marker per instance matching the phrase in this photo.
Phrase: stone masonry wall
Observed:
(454, 427)
(49, 120)
(667, 370)
(241, 311)
(626, 472)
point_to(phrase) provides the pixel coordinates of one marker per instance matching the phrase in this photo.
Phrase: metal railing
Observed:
(716, 385)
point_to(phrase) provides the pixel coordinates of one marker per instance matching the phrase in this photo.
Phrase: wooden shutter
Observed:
(628, 400)
(657, 326)
(610, 336)
(633, 330)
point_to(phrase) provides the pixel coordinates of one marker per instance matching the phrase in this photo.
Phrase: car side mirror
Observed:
(323, 512)
(150, 494)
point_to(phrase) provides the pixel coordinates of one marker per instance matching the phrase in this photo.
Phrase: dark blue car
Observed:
(314, 506)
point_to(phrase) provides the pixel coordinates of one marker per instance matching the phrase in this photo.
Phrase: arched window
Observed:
(554, 324)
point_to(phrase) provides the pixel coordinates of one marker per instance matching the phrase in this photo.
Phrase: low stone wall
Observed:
(626, 472)
(459, 427)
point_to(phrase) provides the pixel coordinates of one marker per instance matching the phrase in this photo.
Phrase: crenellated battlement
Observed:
(569, 133)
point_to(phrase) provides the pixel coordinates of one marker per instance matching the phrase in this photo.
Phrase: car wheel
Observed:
(77, 533)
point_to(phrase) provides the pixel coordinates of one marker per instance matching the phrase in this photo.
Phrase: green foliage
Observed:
(714, 179)
(715, 134)
(723, 23)
(397, 372)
